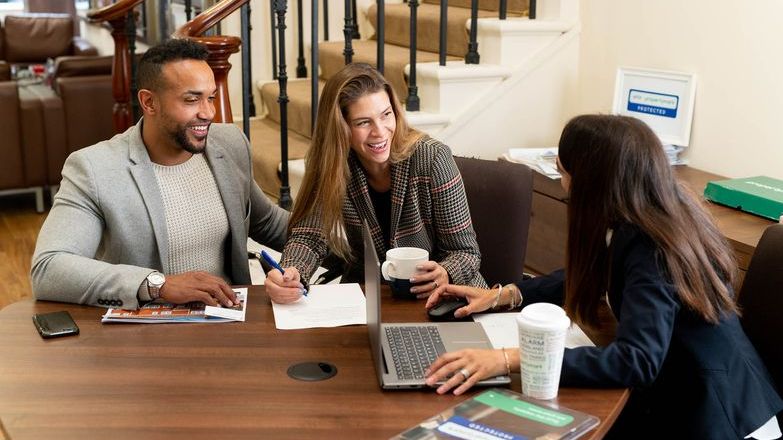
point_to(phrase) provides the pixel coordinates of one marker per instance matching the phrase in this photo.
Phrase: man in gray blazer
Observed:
(162, 210)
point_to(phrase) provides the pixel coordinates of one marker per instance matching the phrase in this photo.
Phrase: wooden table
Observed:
(548, 224)
(223, 380)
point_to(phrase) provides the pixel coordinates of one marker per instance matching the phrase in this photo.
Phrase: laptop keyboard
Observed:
(413, 349)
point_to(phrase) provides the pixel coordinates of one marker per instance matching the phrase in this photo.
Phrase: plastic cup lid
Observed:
(544, 315)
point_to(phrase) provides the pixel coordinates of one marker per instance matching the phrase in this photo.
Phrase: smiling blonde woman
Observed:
(366, 164)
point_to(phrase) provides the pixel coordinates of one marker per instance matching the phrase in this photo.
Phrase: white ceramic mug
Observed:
(400, 266)
(542, 333)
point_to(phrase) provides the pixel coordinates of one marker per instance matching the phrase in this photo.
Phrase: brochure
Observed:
(503, 414)
(158, 312)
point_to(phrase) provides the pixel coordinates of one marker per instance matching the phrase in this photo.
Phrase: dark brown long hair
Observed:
(620, 174)
(326, 176)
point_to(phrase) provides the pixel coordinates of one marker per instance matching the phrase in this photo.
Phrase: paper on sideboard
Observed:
(326, 305)
(501, 328)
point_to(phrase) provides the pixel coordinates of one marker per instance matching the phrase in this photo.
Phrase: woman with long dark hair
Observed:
(640, 241)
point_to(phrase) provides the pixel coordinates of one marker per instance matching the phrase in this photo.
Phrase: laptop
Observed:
(402, 351)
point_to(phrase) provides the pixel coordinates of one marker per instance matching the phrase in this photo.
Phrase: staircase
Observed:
(448, 94)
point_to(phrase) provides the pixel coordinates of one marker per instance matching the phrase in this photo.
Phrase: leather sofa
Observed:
(42, 122)
(22, 166)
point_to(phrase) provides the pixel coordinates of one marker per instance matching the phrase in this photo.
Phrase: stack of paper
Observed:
(543, 160)
(673, 154)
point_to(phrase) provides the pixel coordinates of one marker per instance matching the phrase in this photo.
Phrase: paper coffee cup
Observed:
(542, 332)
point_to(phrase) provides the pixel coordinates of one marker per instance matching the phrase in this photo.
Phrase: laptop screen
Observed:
(372, 292)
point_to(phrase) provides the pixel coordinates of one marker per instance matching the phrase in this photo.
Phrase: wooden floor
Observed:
(19, 225)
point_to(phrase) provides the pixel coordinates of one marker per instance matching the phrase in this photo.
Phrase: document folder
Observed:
(760, 195)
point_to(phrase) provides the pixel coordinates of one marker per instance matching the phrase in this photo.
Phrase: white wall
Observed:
(734, 48)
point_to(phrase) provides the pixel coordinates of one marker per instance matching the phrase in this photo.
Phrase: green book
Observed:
(758, 195)
(503, 415)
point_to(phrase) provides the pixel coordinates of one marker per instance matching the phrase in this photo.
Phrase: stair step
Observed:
(365, 51)
(514, 6)
(397, 24)
(299, 97)
(265, 152)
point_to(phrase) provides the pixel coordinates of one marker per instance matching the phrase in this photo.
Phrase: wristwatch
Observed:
(155, 281)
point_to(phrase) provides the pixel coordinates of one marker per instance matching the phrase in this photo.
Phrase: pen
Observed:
(274, 264)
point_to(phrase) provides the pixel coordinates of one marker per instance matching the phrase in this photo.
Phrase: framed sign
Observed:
(664, 100)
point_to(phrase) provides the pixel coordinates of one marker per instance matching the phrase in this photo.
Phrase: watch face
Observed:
(156, 279)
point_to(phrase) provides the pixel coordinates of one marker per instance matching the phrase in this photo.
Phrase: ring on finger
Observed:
(435, 283)
(465, 373)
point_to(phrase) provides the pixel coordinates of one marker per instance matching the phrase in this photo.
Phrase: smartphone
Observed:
(55, 324)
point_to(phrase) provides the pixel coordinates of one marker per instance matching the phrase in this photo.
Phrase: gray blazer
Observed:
(106, 230)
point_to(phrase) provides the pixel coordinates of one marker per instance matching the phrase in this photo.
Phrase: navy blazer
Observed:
(684, 371)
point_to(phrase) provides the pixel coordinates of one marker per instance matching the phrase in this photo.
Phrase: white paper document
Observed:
(326, 305)
(501, 328)
(236, 313)
(543, 160)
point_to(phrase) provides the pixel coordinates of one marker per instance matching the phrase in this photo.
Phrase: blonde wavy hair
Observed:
(326, 164)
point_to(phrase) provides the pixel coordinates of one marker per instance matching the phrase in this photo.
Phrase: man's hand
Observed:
(284, 288)
(198, 286)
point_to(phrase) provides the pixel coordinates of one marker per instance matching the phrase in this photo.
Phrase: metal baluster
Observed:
(444, 20)
(250, 59)
(314, 65)
(247, 93)
(355, 26)
(134, 88)
(412, 103)
(326, 20)
(188, 9)
(301, 68)
(348, 33)
(380, 34)
(274, 39)
(531, 13)
(279, 7)
(503, 8)
(472, 57)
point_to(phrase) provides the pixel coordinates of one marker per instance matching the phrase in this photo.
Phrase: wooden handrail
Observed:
(220, 49)
(113, 11)
(116, 15)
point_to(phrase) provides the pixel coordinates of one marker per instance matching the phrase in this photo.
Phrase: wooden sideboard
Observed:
(548, 231)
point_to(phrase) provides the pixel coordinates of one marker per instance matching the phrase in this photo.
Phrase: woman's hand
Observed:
(284, 288)
(478, 299)
(464, 368)
(431, 279)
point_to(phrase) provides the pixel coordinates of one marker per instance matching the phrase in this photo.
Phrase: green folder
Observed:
(758, 195)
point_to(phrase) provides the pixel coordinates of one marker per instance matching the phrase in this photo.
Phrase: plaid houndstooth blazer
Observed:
(429, 211)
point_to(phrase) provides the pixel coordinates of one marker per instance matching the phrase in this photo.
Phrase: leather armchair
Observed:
(84, 85)
(74, 113)
(30, 38)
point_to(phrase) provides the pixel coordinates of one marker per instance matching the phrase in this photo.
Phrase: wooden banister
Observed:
(116, 15)
(220, 49)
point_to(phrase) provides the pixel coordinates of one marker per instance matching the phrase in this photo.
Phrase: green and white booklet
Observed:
(503, 414)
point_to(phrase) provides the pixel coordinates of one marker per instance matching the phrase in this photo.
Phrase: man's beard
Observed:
(181, 137)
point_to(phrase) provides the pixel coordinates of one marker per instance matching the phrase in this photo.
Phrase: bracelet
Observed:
(508, 365)
(511, 297)
(513, 301)
(497, 297)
